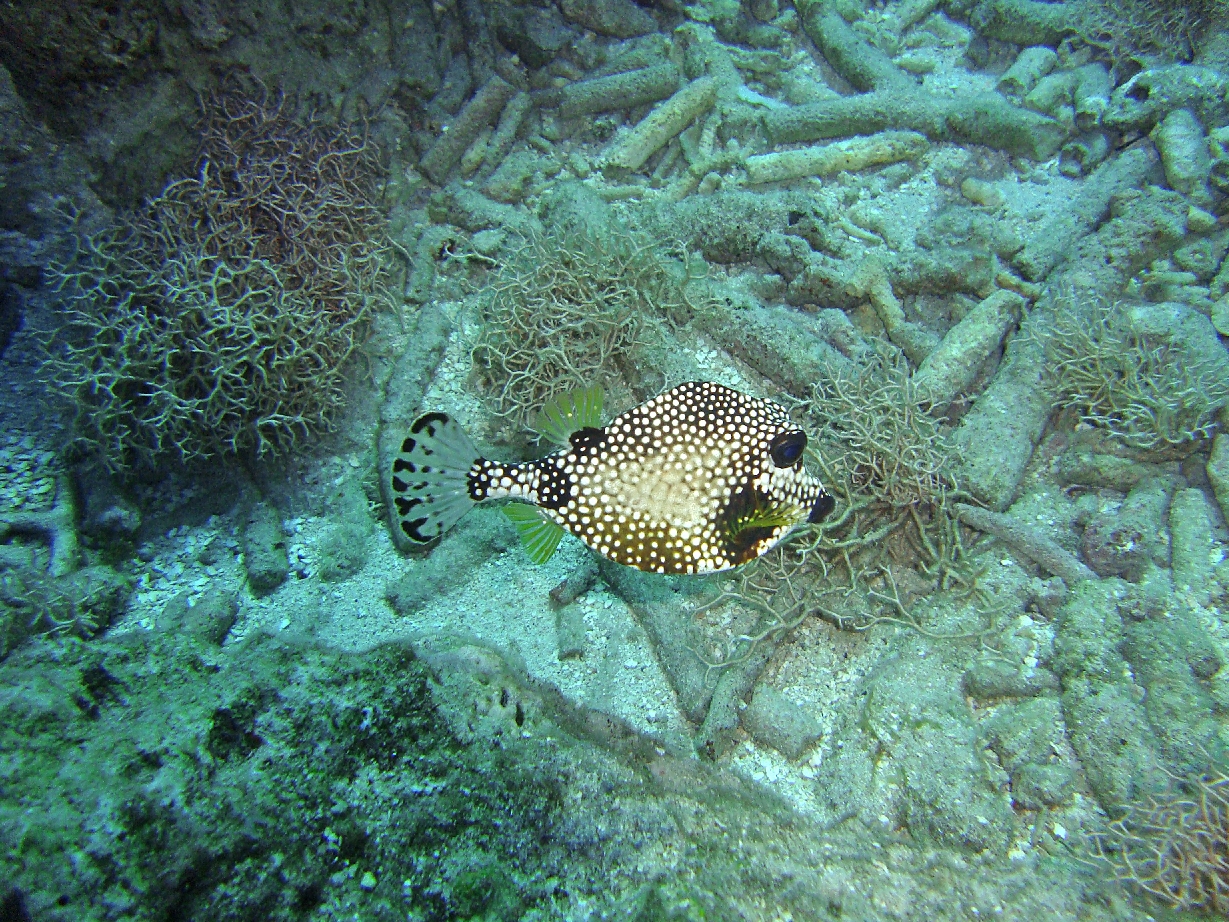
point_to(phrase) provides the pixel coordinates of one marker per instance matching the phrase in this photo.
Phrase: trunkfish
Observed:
(699, 479)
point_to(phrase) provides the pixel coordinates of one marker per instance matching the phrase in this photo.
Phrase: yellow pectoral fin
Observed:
(539, 533)
(747, 531)
(778, 515)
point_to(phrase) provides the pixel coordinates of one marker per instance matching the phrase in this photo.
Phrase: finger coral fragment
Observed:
(1030, 66)
(630, 151)
(1052, 240)
(479, 113)
(1027, 541)
(951, 368)
(619, 91)
(849, 155)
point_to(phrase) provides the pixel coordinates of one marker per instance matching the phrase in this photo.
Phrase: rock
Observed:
(1218, 471)
(1114, 545)
(1190, 525)
(1220, 316)
(616, 18)
(990, 679)
(477, 537)
(212, 617)
(341, 552)
(264, 550)
(94, 596)
(510, 180)
(1028, 739)
(537, 35)
(774, 720)
(570, 638)
(105, 512)
(1184, 154)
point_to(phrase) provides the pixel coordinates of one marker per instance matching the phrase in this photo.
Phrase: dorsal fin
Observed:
(539, 533)
(565, 413)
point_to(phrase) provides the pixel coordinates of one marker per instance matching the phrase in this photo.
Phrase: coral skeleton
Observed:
(564, 311)
(1175, 847)
(1140, 389)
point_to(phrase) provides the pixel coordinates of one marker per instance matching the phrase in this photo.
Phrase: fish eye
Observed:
(786, 449)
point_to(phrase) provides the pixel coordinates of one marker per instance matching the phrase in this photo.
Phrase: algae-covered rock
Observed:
(511, 179)
(774, 720)
(910, 755)
(1184, 153)
(1190, 524)
(1113, 545)
(1096, 469)
(342, 551)
(1149, 96)
(485, 890)
(997, 436)
(951, 368)
(1218, 471)
(1128, 539)
(265, 556)
(1106, 722)
(1027, 736)
(209, 619)
(660, 607)
(989, 679)
(1164, 654)
(80, 604)
(571, 637)
(477, 537)
(616, 18)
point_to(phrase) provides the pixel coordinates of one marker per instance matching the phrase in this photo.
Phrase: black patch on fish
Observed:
(408, 445)
(400, 464)
(554, 485)
(425, 422)
(399, 485)
(738, 540)
(474, 486)
(588, 440)
(824, 505)
(412, 527)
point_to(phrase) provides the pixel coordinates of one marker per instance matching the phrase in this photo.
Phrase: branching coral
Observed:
(219, 316)
(566, 311)
(894, 517)
(1143, 390)
(892, 448)
(1175, 847)
(890, 458)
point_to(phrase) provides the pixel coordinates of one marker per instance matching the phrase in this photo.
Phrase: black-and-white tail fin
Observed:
(430, 474)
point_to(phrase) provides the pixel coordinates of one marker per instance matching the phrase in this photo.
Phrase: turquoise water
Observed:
(963, 263)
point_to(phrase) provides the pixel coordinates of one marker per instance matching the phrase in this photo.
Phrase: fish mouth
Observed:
(823, 505)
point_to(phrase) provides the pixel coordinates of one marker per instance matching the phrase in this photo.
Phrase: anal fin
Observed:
(539, 533)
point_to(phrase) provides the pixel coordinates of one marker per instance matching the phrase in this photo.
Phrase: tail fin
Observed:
(429, 475)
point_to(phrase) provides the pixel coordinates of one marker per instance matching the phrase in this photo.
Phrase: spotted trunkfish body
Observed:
(699, 479)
